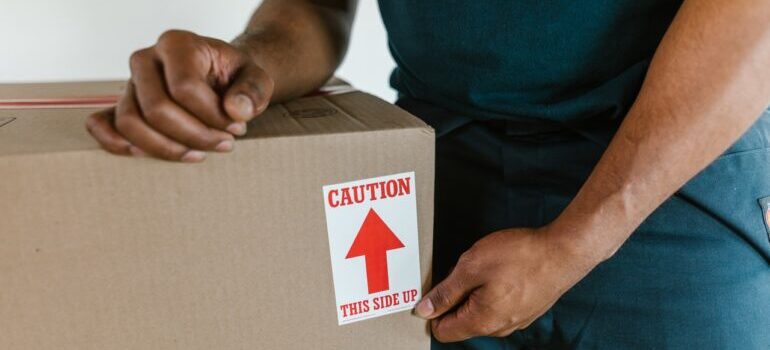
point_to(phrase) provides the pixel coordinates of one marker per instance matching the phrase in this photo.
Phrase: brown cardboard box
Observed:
(106, 252)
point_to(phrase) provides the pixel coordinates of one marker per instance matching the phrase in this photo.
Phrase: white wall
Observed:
(52, 40)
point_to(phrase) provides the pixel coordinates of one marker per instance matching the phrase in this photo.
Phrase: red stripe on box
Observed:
(110, 100)
(59, 102)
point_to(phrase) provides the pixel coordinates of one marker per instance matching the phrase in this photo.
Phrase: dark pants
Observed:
(694, 275)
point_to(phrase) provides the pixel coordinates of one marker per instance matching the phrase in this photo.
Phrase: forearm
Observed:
(708, 82)
(299, 43)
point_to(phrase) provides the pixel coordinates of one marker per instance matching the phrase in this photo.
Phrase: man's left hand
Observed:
(502, 284)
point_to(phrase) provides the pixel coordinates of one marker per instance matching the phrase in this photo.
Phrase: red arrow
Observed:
(373, 241)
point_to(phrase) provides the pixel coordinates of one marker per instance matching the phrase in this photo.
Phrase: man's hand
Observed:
(502, 284)
(190, 94)
(681, 121)
(187, 94)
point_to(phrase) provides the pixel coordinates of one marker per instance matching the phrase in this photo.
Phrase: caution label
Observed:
(374, 247)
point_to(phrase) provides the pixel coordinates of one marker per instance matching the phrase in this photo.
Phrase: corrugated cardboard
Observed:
(106, 252)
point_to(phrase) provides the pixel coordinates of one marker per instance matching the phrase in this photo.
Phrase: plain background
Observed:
(48, 40)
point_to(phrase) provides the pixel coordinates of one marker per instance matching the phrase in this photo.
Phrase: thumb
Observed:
(444, 296)
(249, 94)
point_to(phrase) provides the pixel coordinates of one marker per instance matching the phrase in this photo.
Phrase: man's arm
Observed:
(298, 43)
(190, 94)
(708, 82)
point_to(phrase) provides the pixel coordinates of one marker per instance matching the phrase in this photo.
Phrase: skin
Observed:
(708, 82)
(189, 94)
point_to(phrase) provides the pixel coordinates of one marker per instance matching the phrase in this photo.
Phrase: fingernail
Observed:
(136, 152)
(244, 105)
(193, 157)
(237, 128)
(424, 308)
(225, 146)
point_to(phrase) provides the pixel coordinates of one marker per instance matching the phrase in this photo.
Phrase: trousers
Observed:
(694, 275)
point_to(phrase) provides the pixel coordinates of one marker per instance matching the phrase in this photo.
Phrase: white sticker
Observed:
(374, 247)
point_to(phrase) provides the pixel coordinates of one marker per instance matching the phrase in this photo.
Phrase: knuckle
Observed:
(484, 328)
(502, 326)
(184, 89)
(525, 324)
(440, 297)
(469, 262)
(123, 124)
(499, 289)
(502, 333)
(172, 35)
(512, 321)
(157, 112)
(169, 152)
(113, 148)
(205, 140)
(138, 57)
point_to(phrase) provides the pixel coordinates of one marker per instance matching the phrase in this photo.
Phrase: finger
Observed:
(131, 125)
(250, 93)
(100, 126)
(448, 293)
(164, 114)
(187, 69)
(469, 320)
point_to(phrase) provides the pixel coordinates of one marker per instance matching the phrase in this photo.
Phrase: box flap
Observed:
(32, 130)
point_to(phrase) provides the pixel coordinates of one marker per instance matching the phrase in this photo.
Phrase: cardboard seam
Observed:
(5, 121)
(424, 130)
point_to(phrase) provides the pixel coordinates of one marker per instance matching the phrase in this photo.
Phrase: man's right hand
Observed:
(187, 95)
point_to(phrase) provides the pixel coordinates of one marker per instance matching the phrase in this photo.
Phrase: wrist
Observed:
(289, 61)
(599, 219)
(254, 45)
(581, 240)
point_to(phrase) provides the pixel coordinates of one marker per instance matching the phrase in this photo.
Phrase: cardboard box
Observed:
(106, 252)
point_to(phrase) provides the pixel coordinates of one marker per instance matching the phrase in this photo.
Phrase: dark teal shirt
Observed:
(558, 60)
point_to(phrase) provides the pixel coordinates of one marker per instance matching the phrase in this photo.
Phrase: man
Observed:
(582, 201)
